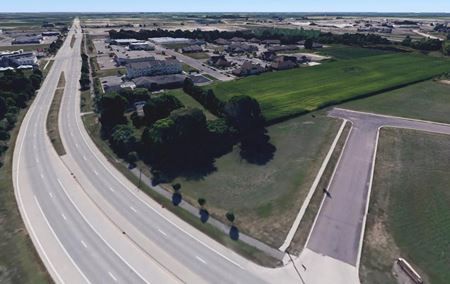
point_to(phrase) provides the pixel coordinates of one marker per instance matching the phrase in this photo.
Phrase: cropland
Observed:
(288, 93)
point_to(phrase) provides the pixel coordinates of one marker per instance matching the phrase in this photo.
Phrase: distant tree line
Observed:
(286, 36)
(425, 44)
(17, 88)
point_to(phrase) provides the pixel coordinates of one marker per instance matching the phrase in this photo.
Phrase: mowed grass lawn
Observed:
(287, 93)
(409, 212)
(429, 100)
(266, 198)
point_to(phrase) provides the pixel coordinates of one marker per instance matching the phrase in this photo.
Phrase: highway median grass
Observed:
(52, 118)
(289, 93)
(409, 213)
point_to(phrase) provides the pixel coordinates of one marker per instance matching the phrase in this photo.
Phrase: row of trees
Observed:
(85, 80)
(16, 89)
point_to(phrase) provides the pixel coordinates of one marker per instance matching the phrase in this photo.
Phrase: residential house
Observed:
(237, 39)
(278, 48)
(254, 40)
(219, 61)
(268, 55)
(271, 41)
(249, 68)
(284, 62)
(192, 49)
(221, 41)
(240, 48)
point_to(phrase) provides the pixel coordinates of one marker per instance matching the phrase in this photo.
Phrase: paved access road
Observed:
(75, 240)
(338, 229)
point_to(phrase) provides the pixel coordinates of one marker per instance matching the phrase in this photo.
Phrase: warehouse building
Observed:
(153, 67)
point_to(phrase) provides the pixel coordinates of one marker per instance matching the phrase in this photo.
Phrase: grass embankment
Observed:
(266, 198)
(52, 118)
(93, 127)
(409, 213)
(426, 100)
(44, 63)
(287, 93)
(110, 72)
(19, 261)
(188, 69)
(300, 237)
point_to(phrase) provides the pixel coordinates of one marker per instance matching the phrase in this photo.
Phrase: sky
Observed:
(225, 6)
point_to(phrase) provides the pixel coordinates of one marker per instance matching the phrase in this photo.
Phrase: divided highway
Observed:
(75, 240)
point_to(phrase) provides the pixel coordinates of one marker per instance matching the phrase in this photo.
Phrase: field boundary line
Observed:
(312, 189)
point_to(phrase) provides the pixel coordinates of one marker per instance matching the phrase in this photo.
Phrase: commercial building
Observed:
(28, 40)
(17, 58)
(284, 62)
(126, 41)
(155, 83)
(50, 33)
(153, 67)
(141, 46)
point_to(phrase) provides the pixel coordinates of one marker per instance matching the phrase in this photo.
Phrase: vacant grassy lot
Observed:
(346, 52)
(25, 47)
(188, 101)
(287, 93)
(197, 55)
(266, 198)
(409, 213)
(426, 100)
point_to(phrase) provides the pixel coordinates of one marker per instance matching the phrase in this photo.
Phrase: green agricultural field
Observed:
(345, 52)
(409, 213)
(266, 198)
(292, 92)
(426, 100)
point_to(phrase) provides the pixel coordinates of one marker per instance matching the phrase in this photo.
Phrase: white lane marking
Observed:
(64, 216)
(162, 232)
(112, 276)
(84, 158)
(37, 160)
(110, 188)
(59, 242)
(83, 243)
(132, 208)
(76, 145)
(42, 176)
(98, 234)
(34, 146)
(145, 202)
(95, 172)
(51, 194)
(71, 133)
(200, 259)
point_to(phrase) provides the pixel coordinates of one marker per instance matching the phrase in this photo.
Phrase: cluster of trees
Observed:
(423, 44)
(85, 81)
(180, 141)
(16, 89)
(352, 39)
